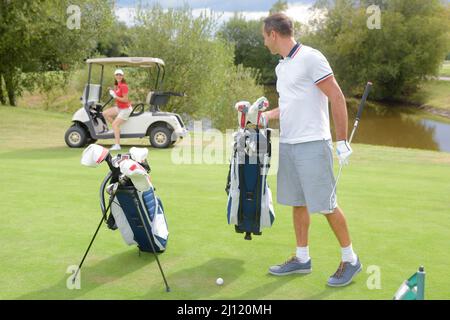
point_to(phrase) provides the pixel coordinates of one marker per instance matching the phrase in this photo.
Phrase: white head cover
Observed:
(118, 71)
(138, 154)
(256, 109)
(93, 155)
(137, 174)
(242, 107)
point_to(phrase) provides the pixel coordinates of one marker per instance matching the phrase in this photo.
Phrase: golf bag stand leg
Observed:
(93, 238)
(156, 256)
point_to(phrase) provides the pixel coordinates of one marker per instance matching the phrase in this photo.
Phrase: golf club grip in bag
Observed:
(249, 205)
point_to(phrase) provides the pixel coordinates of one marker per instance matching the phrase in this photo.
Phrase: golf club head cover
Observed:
(139, 154)
(242, 108)
(93, 155)
(138, 175)
(254, 115)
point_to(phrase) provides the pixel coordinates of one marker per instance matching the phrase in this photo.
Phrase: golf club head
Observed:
(261, 104)
(112, 188)
(242, 108)
(138, 175)
(255, 116)
(93, 155)
(139, 154)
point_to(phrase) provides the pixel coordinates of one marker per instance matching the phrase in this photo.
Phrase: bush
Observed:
(196, 63)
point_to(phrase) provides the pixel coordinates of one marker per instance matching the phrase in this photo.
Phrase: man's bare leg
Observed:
(338, 224)
(301, 225)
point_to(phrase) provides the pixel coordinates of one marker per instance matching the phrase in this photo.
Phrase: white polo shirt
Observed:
(304, 115)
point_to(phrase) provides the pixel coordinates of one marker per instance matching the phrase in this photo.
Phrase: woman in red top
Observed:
(120, 113)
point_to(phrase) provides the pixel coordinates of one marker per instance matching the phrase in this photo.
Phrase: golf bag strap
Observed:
(258, 185)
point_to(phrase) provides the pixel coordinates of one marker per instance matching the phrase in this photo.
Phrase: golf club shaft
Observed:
(355, 126)
(93, 238)
(360, 110)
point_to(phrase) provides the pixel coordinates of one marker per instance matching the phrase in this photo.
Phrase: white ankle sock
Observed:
(303, 254)
(348, 255)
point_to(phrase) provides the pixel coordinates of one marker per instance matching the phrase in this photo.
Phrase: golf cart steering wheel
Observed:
(106, 103)
(138, 110)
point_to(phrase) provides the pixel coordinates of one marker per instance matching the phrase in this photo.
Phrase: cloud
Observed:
(299, 11)
(216, 5)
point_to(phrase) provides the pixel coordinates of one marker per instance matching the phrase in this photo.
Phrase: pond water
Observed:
(394, 126)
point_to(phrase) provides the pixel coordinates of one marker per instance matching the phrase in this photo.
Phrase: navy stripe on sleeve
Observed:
(324, 77)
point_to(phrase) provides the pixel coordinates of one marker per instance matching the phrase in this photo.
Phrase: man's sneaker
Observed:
(291, 266)
(115, 147)
(344, 274)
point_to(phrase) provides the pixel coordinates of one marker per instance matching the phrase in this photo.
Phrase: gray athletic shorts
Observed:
(305, 176)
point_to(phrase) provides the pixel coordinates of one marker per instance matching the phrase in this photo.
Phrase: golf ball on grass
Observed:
(219, 281)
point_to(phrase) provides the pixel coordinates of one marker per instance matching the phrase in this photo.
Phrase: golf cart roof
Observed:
(144, 62)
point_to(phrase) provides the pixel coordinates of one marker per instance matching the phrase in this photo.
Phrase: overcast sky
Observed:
(252, 9)
(216, 5)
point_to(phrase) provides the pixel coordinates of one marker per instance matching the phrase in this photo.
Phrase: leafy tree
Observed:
(249, 48)
(279, 6)
(36, 39)
(412, 41)
(196, 62)
(115, 42)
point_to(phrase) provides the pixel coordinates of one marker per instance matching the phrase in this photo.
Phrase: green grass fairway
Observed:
(397, 202)
(445, 69)
(433, 93)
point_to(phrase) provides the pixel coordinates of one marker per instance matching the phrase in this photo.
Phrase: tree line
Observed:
(217, 65)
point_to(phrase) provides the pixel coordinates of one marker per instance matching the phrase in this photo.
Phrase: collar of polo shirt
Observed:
(292, 53)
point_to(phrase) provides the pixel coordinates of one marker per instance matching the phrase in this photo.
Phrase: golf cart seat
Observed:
(94, 94)
(158, 98)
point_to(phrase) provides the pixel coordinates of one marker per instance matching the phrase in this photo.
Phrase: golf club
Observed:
(355, 126)
(113, 194)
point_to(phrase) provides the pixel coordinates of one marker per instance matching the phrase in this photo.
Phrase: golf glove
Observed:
(343, 151)
(112, 94)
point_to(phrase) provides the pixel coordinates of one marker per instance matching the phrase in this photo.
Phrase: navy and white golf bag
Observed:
(140, 218)
(135, 210)
(134, 207)
(250, 206)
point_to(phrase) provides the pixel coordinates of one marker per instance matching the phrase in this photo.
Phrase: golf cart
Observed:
(146, 119)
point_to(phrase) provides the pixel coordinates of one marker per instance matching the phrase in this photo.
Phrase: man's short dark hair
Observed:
(279, 22)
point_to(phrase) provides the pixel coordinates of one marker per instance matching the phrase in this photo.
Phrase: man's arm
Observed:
(331, 89)
(272, 114)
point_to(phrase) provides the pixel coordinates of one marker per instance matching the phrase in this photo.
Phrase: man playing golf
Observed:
(305, 179)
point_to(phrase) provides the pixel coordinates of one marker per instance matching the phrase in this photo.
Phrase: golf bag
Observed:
(135, 210)
(138, 212)
(250, 206)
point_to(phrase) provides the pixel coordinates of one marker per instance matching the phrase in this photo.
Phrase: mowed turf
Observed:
(397, 202)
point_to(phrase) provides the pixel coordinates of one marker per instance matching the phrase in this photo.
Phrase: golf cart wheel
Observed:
(76, 137)
(161, 137)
